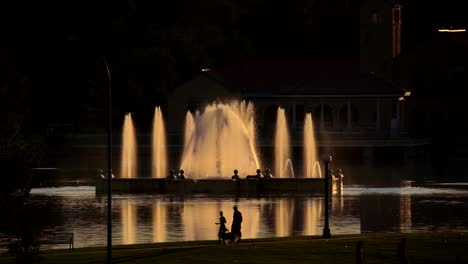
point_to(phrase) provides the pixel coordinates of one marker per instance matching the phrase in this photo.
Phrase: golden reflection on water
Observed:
(159, 222)
(187, 220)
(313, 213)
(129, 222)
(405, 213)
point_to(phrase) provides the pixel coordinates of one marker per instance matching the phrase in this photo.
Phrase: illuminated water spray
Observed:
(219, 140)
(129, 146)
(282, 146)
(159, 149)
(310, 150)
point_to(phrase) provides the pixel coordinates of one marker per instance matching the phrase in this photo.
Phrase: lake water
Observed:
(160, 218)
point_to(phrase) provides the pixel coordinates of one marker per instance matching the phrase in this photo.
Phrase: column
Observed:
(377, 118)
(294, 116)
(349, 114)
(322, 116)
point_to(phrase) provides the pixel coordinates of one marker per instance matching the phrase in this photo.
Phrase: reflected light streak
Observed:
(405, 213)
(129, 221)
(452, 30)
(159, 222)
(313, 212)
(283, 217)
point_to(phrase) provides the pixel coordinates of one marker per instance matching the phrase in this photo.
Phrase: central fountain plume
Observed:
(219, 140)
(282, 146)
(310, 149)
(129, 160)
(159, 150)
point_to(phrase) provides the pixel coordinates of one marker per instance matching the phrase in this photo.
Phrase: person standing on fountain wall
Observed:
(259, 174)
(267, 174)
(235, 176)
(181, 175)
(236, 223)
(337, 173)
(171, 175)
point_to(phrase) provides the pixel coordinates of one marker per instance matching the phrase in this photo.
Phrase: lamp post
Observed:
(109, 170)
(326, 229)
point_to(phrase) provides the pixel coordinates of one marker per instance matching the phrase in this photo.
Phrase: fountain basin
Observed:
(276, 186)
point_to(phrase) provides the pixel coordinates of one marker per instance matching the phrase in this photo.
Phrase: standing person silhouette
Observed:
(236, 224)
(222, 226)
(235, 176)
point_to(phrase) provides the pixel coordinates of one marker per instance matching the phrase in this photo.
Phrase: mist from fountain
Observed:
(310, 148)
(282, 145)
(221, 140)
(128, 158)
(159, 146)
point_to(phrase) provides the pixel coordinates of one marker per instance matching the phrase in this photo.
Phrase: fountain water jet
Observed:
(189, 127)
(310, 148)
(282, 145)
(128, 158)
(289, 164)
(223, 139)
(318, 169)
(159, 148)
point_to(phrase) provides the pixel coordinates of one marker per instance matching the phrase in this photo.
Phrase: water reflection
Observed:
(159, 214)
(179, 219)
(128, 217)
(158, 218)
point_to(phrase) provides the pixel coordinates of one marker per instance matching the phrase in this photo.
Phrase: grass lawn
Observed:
(377, 248)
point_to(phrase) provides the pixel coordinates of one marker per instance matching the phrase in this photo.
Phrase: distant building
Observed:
(343, 101)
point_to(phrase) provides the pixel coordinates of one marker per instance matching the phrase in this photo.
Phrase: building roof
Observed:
(314, 76)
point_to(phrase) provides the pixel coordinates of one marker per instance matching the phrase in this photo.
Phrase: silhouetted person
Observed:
(259, 174)
(222, 226)
(267, 174)
(337, 173)
(101, 175)
(235, 176)
(181, 175)
(171, 175)
(236, 223)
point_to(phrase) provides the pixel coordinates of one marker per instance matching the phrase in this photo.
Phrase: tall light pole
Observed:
(109, 170)
(326, 229)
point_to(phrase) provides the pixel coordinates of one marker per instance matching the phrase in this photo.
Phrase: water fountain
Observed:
(217, 140)
(288, 165)
(221, 138)
(282, 145)
(159, 149)
(129, 157)
(310, 149)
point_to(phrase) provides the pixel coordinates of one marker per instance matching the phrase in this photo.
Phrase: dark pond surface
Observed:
(159, 218)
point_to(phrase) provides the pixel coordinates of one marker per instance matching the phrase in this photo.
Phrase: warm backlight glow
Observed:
(129, 147)
(282, 145)
(310, 148)
(452, 30)
(159, 145)
(407, 93)
(220, 139)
